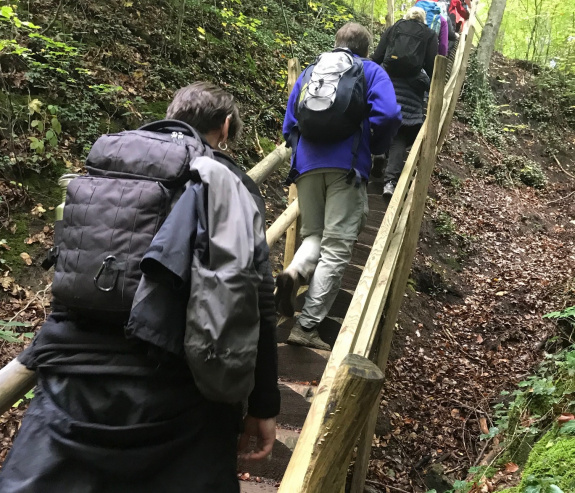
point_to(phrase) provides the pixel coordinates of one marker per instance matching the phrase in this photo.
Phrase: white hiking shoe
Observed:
(388, 190)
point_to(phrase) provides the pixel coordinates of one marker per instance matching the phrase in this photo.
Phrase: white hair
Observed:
(415, 13)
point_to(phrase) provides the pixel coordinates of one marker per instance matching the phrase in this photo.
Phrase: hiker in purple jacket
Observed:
(331, 179)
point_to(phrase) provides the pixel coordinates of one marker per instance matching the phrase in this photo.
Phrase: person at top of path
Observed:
(452, 36)
(117, 409)
(459, 12)
(341, 110)
(436, 22)
(407, 51)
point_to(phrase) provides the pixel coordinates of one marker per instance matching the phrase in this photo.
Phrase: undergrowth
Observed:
(480, 107)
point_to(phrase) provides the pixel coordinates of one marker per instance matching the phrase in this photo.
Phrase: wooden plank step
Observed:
(351, 277)
(360, 253)
(294, 407)
(253, 487)
(300, 364)
(307, 391)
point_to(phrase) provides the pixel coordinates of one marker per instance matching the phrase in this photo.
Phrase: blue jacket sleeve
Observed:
(290, 120)
(384, 112)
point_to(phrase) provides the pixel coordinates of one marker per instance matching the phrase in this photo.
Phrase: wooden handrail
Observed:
(384, 276)
(261, 171)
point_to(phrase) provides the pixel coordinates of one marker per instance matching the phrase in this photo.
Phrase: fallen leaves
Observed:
(511, 467)
(27, 259)
(37, 210)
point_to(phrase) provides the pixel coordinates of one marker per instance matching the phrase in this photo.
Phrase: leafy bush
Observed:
(513, 170)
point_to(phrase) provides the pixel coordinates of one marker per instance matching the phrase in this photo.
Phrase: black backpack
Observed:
(112, 214)
(332, 102)
(405, 54)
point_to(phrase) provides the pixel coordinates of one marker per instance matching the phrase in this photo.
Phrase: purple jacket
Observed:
(443, 47)
(384, 118)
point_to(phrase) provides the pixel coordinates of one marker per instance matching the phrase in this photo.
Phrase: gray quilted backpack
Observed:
(112, 214)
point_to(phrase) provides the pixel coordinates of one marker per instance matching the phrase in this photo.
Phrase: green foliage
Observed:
(541, 31)
(29, 396)
(567, 314)
(9, 335)
(551, 465)
(536, 402)
(444, 225)
(481, 110)
(513, 170)
(551, 99)
(450, 180)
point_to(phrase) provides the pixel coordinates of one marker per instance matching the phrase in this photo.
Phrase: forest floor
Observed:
(494, 257)
(491, 262)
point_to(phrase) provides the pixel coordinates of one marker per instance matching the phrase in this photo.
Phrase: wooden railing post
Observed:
(355, 388)
(294, 69)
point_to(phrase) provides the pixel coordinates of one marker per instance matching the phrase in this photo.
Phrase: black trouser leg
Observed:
(397, 152)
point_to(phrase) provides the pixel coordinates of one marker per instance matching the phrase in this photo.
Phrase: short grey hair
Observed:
(416, 14)
(354, 37)
(205, 107)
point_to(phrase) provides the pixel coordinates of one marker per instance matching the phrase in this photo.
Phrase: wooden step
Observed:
(301, 364)
(253, 487)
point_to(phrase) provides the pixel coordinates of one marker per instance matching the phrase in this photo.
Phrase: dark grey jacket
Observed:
(409, 93)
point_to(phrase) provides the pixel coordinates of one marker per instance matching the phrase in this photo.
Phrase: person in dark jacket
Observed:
(114, 414)
(409, 91)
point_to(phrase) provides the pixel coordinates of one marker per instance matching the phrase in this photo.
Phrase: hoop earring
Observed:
(222, 147)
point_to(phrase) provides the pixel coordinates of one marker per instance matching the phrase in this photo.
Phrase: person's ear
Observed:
(225, 129)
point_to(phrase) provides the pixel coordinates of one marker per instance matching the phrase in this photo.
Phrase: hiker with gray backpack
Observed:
(407, 51)
(163, 321)
(341, 110)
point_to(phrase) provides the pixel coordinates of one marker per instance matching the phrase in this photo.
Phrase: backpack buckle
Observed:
(109, 266)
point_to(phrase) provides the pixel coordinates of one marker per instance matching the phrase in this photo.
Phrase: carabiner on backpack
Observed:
(110, 266)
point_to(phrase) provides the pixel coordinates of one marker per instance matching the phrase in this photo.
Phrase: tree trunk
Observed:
(389, 20)
(489, 33)
(181, 14)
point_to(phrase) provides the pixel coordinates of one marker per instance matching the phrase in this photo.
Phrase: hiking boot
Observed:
(388, 190)
(287, 284)
(300, 337)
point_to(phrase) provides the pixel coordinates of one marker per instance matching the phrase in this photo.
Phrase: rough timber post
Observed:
(294, 70)
(356, 387)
